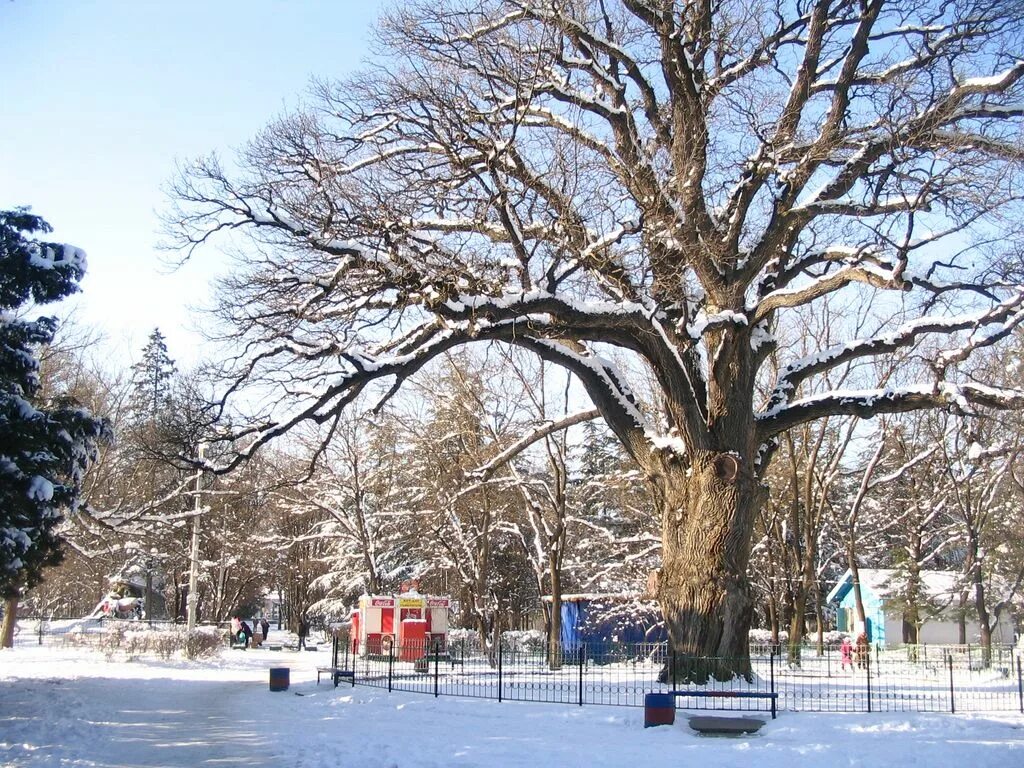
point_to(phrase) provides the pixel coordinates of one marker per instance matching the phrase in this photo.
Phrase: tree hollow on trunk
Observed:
(703, 588)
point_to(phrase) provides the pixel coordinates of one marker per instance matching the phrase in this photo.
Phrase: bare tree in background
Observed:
(670, 179)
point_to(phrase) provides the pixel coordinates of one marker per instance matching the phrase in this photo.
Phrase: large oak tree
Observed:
(667, 182)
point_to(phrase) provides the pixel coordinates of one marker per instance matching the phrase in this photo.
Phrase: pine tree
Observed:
(153, 381)
(45, 448)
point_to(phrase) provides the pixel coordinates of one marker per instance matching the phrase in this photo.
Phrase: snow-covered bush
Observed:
(112, 639)
(133, 640)
(528, 640)
(764, 636)
(466, 638)
(834, 637)
(521, 640)
(201, 643)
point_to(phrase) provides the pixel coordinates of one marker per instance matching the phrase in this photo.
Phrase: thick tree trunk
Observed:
(819, 617)
(912, 614)
(962, 619)
(9, 621)
(797, 627)
(798, 623)
(858, 597)
(555, 625)
(980, 602)
(708, 511)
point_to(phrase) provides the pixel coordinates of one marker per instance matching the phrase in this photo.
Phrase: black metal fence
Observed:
(908, 679)
(915, 679)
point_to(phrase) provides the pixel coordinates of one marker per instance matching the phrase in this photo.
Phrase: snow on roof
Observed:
(885, 581)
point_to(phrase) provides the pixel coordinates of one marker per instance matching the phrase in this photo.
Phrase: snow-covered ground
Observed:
(71, 707)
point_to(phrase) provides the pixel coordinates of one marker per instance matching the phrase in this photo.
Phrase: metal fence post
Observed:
(867, 675)
(672, 663)
(1020, 687)
(952, 694)
(437, 666)
(391, 665)
(771, 678)
(582, 654)
(499, 669)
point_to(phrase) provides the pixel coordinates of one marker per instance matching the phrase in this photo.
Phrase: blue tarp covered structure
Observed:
(598, 620)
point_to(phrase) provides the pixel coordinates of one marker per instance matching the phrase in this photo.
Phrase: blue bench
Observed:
(731, 695)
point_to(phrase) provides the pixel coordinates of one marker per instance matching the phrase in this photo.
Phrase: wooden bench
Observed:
(336, 674)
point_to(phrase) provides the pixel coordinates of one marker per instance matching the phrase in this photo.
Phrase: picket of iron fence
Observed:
(602, 674)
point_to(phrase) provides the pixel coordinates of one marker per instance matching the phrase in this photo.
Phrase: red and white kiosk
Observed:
(411, 623)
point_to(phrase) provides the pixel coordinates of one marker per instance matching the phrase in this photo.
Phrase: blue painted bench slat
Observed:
(731, 695)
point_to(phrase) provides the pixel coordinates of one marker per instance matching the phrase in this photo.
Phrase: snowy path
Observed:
(110, 723)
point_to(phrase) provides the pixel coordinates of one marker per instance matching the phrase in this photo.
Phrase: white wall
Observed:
(946, 632)
(939, 632)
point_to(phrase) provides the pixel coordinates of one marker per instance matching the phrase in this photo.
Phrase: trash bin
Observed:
(279, 678)
(659, 709)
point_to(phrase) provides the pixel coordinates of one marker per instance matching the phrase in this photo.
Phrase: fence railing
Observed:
(939, 679)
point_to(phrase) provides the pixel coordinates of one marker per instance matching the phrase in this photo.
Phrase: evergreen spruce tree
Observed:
(153, 381)
(44, 447)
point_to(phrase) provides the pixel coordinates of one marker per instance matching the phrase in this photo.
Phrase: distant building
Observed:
(884, 608)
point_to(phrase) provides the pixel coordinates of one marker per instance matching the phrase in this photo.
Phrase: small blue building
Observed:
(883, 612)
(842, 599)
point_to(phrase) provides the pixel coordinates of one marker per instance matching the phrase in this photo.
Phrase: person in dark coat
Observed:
(303, 631)
(246, 630)
(863, 649)
(266, 627)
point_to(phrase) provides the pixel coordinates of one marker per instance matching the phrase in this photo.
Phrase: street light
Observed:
(193, 574)
(150, 563)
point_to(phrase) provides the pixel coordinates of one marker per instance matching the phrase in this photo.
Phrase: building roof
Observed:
(941, 585)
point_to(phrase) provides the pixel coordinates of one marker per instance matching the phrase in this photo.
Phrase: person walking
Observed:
(846, 654)
(266, 627)
(257, 633)
(303, 631)
(863, 649)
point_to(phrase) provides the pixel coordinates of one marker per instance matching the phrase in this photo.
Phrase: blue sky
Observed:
(101, 98)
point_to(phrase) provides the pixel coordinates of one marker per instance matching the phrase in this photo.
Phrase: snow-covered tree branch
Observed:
(675, 180)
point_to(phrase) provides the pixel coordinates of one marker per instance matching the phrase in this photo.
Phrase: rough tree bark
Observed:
(707, 512)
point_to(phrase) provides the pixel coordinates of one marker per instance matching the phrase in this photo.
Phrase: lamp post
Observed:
(149, 586)
(193, 574)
